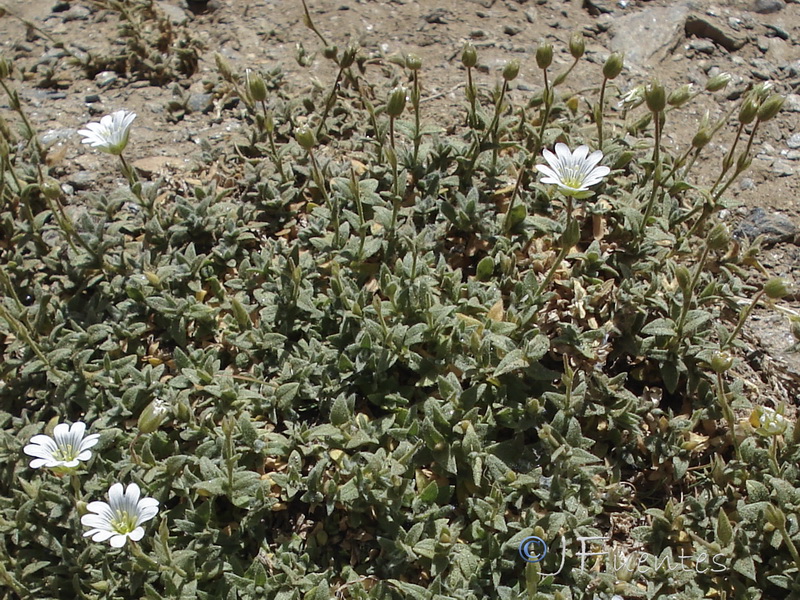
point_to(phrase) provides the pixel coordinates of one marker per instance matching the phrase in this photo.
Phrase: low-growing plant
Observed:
(374, 360)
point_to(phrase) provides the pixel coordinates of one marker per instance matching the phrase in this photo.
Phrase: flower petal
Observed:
(115, 497)
(562, 151)
(96, 522)
(136, 534)
(99, 535)
(118, 541)
(39, 451)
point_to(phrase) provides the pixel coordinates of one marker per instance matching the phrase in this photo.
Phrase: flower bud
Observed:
(349, 57)
(655, 96)
(577, 45)
(719, 237)
(469, 57)
(718, 82)
(762, 90)
(544, 55)
(305, 137)
(721, 361)
(748, 111)
(330, 52)
(413, 62)
(397, 101)
(680, 96)
(512, 70)
(613, 66)
(770, 107)
(701, 138)
(256, 86)
(572, 234)
(223, 66)
(683, 276)
(51, 188)
(776, 288)
(5, 67)
(152, 416)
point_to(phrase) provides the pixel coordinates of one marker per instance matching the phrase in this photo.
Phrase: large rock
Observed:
(649, 35)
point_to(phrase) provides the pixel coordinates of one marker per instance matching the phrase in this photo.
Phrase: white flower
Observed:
(64, 450)
(121, 517)
(573, 172)
(111, 133)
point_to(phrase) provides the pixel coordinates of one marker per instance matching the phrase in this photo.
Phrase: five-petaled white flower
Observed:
(573, 172)
(111, 133)
(64, 450)
(121, 517)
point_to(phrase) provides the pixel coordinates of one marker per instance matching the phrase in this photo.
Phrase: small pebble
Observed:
(747, 184)
(792, 103)
(89, 98)
(105, 78)
(794, 141)
(511, 29)
(781, 168)
(766, 7)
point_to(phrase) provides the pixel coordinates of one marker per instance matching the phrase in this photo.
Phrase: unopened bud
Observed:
(469, 57)
(762, 90)
(776, 288)
(397, 101)
(51, 188)
(613, 66)
(577, 45)
(719, 237)
(680, 96)
(413, 62)
(5, 68)
(223, 66)
(256, 86)
(770, 107)
(748, 111)
(305, 137)
(544, 55)
(701, 138)
(511, 71)
(348, 57)
(152, 416)
(655, 96)
(721, 362)
(330, 52)
(718, 82)
(683, 276)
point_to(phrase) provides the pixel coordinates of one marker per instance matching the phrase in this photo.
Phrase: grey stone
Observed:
(792, 103)
(89, 98)
(82, 180)
(52, 136)
(200, 102)
(511, 29)
(794, 141)
(793, 155)
(773, 226)
(176, 15)
(747, 184)
(76, 13)
(598, 7)
(105, 78)
(704, 46)
(777, 31)
(781, 168)
(648, 35)
(766, 7)
(711, 28)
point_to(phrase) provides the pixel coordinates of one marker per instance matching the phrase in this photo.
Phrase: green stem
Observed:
(689, 293)
(329, 101)
(317, 175)
(728, 414)
(562, 253)
(415, 95)
(598, 117)
(742, 319)
(656, 171)
(548, 103)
